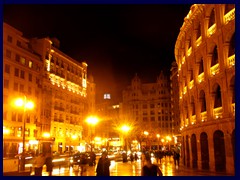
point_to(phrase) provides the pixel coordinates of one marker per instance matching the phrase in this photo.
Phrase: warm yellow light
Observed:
(158, 135)
(125, 128)
(6, 131)
(92, 120)
(46, 135)
(20, 103)
(146, 133)
(74, 136)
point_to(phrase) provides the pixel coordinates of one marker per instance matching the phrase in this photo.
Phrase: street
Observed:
(134, 169)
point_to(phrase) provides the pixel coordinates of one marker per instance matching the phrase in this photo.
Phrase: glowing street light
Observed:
(125, 129)
(158, 136)
(92, 120)
(25, 105)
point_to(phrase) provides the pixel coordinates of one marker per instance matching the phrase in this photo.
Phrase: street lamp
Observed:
(158, 136)
(146, 134)
(92, 120)
(25, 104)
(125, 129)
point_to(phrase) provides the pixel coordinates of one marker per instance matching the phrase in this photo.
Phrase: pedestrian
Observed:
(150, 169)
(135, 156)
(131, 157)
(83, 163)
(176, 158)
(49, 164)
(38, 164)
(92, 159)
(103, 165)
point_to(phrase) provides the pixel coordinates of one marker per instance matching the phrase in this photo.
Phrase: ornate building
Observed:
(149, 104)
(205, 54)
(58, 86)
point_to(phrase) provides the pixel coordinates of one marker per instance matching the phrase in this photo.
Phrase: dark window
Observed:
(6, 83)
(16, 72)
(8, 53)
(7, 68)
(22, 74)
(9, 39)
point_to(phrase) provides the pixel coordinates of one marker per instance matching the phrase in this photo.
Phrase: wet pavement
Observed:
(133, 169)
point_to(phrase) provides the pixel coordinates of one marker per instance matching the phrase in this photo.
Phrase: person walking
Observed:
(49, 164)
(38, 164)
(176, 157)
(150, 169)
(103, 165)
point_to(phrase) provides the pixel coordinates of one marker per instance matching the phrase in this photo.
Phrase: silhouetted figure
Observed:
(103, 165)
(150, 169)
(38, 164)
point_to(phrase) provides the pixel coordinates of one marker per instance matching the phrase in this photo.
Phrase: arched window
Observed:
(214, 56)
(228, 7)
(232, 46)
(217, 98)
(199, 30)
(202, 101)
(212, 18)
(201, 69)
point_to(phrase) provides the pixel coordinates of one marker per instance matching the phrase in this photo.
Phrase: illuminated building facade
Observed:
(175, 100)
(58, 85)
(149, 104)
(205, 54)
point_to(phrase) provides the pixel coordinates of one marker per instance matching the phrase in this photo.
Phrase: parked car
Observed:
(79, 158)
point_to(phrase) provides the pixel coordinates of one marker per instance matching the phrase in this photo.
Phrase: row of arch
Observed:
(190, 150)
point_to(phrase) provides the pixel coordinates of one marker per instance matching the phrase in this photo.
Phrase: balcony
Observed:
(231, 60)
(193, 120)
(233, 109)
(218, 112)
(229, 16)
(198, 41)
(211, 30)
(215, 69)
(189, 52)
(191, 84)
(185, 90)
(201, 77)
(204, 116)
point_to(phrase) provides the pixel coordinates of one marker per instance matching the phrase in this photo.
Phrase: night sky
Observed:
(117, 41)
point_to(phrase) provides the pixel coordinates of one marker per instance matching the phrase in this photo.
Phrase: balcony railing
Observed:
(215, 69)
(193, 120)
(201, 77)
(185, 90)
(204, 116)
(218, 112)
(229, 16)
(233, 109)
(191, 84)
(231, 60)
(189, 52)
(199, 41)
(211, 30)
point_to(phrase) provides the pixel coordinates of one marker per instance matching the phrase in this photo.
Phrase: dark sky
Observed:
(116, 41)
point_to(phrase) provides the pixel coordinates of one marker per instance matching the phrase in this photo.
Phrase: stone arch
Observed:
(193, 106)
(204, 150)
(231, 50)
(219, 151)
(202, 100)
(214, 56)
(194, 150)
(212, 19)
(232, 88)
(217, 95)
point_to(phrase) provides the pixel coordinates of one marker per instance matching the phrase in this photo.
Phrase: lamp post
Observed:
(146, 134)
(92, 120)
(158, 136)
(125, 130)
(25, 104)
